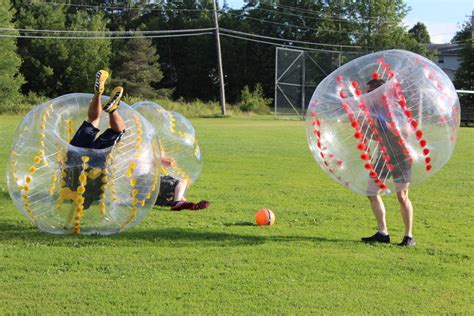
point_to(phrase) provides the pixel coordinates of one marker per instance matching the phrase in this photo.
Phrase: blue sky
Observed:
(442, 17)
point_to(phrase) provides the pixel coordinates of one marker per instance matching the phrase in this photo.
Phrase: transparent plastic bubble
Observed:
(177, 140)
(64, 189)
(378, 137)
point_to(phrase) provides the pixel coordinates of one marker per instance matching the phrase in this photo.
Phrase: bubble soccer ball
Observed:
(382, 121)
(177, 140)
(65, 189)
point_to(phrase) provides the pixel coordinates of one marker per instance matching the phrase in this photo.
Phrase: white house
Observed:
(447, 57)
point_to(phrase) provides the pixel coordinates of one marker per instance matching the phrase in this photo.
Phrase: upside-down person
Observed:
(172, 192)
(86, 137)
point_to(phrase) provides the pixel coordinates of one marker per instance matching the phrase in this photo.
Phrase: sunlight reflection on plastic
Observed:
(64, 189)
(383, 121)
(177, 140)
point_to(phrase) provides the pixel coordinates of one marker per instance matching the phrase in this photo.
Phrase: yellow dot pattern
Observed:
(79, 201)
(69, 130)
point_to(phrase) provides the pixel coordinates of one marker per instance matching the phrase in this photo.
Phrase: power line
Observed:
(278, 44)
(121, 8)
(105, 32)
(101, 37)
(290, 25)
(317, 18)
(287, 40)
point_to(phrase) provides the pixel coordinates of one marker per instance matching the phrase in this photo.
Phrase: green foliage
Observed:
(22, 104)
(10, 78)
(254, 100)
(136, 67)
(45, 61)
(86, 56)
(464, 77)
(216, 262)
(420, 33)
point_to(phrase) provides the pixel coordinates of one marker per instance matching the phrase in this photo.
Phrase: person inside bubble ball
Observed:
(86, 137)
(172, 191)
(400, 173)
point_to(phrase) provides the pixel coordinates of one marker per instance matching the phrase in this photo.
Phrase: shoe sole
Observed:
(100, 81)
(113, 102)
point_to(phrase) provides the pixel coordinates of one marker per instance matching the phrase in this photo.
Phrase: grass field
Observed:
(217, 262)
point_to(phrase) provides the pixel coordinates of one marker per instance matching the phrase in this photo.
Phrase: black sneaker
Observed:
(407, 242)
(378, 237)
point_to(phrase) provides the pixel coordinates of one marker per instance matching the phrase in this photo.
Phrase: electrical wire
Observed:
(280, 45)
(286, 40)
(106, 32)
(328, 18)
(100, 37)
(121, 8)
(289, 25)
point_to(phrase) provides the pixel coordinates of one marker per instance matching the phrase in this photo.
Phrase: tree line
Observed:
(181, 67)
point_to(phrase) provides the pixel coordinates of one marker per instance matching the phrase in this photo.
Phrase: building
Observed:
(447, 57)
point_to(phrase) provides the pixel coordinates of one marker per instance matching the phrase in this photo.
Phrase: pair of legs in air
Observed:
(85, 136)
(406, 210)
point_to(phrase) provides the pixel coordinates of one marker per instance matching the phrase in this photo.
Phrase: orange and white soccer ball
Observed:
(265, 217)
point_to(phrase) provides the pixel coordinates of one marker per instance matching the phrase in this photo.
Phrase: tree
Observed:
(45, 60)
(10, 78)
(420, 33)
(136, 67)
(464, 76)
(88, 55)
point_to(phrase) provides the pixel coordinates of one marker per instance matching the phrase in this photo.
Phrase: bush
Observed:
(254, 101)
(23, 104)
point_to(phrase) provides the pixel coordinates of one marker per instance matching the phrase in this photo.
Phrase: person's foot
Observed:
(183, 205)
(114, 100)
(100, 78)
(407, 242)
(378, 237)
(201, 205)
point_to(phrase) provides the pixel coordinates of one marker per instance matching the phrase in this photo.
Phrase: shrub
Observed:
(254, 101)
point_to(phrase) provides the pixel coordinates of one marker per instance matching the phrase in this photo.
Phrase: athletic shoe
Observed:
(407, 242)
(200, 205)
(100, 78)
(378, 237)
(182, 205)
(114, 100)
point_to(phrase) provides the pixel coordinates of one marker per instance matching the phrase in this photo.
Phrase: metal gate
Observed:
(297, 73)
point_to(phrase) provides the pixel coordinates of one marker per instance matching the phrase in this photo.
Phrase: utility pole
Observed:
(219, 58)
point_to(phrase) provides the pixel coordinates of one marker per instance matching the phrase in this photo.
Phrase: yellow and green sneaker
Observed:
(114, 100)
(100, 78)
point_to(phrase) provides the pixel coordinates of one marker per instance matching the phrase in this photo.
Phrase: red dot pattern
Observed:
(398, 92)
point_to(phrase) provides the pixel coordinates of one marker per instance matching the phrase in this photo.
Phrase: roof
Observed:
(445, 49)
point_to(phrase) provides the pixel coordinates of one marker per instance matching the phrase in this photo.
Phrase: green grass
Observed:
(217, 262)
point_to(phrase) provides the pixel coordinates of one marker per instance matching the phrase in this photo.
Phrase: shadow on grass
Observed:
(177, 237)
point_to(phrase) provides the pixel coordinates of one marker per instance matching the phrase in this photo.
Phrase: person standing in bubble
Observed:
(401, 175)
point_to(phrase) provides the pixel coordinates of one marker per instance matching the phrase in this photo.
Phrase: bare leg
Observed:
(95, 109)
(116, 122)
(179, 190)
(406, 209)
(378, 208)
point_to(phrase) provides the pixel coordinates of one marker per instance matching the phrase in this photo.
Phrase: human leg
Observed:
(378, 208)
(95, 107)
(406, 210)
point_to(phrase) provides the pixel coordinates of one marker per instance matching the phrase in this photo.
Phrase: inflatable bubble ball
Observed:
(64, 189)
(177, 140)
(383, 121)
